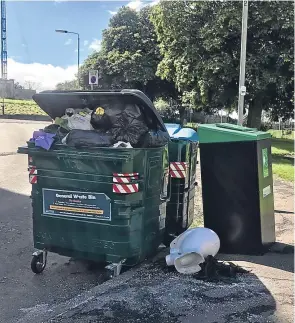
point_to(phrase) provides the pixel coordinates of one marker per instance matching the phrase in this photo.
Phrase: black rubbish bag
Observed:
(100, 120)
(114, 115)
(52, 128)
(59, 131)
(154, 139)
(88, 138)
(129, 125)
(128, 129)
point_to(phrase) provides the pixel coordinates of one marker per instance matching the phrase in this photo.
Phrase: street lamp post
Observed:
(242, 89)
(78, 49)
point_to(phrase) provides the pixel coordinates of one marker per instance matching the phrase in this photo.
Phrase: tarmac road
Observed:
(20, 289)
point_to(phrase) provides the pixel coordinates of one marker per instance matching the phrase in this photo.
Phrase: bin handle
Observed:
(80, 155)
(100, 157)
(169, 189)
(56, 153)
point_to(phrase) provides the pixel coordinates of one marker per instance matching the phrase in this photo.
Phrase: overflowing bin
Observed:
(183, 160)
(237, 187)
(102, 204)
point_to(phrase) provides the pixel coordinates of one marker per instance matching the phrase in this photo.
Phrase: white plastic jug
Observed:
(190, 249)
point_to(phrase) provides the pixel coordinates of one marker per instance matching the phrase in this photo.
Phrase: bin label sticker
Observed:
(266, 191)
(96, 206)
(265, 162)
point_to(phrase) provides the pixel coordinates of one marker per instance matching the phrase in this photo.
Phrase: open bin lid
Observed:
(54, 103)
(172, 128)
(186, 134)
(225, 132)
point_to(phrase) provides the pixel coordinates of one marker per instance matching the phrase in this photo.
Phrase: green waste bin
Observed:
(183, 150)
(237, 186)
(77, 209)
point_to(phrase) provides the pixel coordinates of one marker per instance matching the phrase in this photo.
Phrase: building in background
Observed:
(8, 91)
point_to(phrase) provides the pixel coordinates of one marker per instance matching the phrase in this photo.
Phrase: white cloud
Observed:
(86, 42)
(112, 12)
(45, 75)
(136, 5)
(155, 2)
(81, 50)
(95, 45)
(139, 4)
(68, 42)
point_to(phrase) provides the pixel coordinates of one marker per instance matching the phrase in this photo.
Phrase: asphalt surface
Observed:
(20, 289)
(69, 291)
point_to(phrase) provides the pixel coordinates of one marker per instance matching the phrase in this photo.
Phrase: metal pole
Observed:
(78, 61)
(242, 90)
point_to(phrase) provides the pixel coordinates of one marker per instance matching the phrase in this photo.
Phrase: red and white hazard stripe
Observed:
(32, 170)
(32, 174)
(125, 188)
(122, 183)
(124, 177)
(33, 179)
(178, 169)
(135, 175)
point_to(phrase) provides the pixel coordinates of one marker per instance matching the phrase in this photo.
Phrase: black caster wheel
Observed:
(38, 262)
(109, 274)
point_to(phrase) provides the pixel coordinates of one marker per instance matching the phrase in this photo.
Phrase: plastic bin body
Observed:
(180, 208)
(78, 212)
(237, 187)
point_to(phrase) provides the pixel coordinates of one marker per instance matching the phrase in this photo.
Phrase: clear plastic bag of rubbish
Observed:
(88, 138)
(76, 119)
(80, 122)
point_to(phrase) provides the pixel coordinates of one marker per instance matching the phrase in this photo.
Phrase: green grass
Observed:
(27, 107)
(282, 134)
(283, 167)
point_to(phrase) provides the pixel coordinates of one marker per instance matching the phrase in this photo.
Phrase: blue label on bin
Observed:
(96, 206)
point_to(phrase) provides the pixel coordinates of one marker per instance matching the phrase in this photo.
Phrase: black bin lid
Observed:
(54, 103)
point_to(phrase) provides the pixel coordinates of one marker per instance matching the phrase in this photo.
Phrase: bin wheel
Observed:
(109, 274)
(38, 263)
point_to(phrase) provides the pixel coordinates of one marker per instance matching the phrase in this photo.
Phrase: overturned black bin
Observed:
(237, 187)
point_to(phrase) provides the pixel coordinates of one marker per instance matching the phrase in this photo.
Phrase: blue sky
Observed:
(35, 49)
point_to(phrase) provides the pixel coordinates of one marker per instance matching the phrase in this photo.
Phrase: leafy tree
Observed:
(31, 85)
(129, 56)
(200, 45)
(18, 86)
(67, 85)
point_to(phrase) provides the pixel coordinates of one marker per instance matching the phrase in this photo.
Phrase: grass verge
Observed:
(23, 107)
(282, 166)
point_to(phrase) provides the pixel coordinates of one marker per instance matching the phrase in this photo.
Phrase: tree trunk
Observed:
(254, 114)
(181, 110)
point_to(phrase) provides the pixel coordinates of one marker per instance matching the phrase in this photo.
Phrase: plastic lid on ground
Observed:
(172, 128)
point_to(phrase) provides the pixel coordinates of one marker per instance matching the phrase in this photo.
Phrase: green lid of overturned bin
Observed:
(226, 132)
(54, 103)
